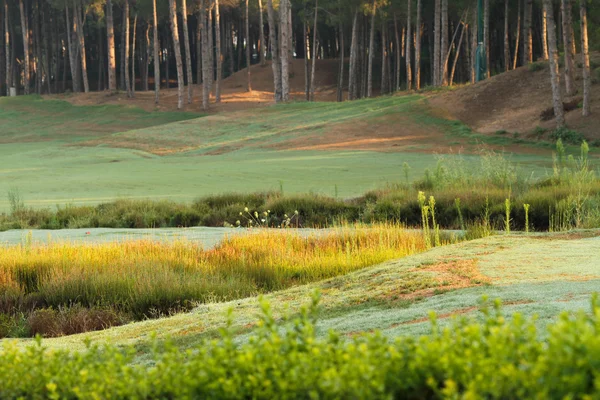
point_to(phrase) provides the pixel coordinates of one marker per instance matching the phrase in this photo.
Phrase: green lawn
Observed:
(42, 156)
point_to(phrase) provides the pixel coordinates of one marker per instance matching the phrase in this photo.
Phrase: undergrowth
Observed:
(498, 358)
(568, 197)
(64, 288)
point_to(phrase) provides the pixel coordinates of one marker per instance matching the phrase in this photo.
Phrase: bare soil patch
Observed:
(517, 101)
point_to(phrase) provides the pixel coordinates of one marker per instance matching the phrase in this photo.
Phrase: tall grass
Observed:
(567, 197)
(141, 279)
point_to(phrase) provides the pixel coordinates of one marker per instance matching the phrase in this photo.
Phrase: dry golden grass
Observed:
(148, 278)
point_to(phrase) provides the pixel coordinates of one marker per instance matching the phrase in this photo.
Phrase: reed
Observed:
(152, 278)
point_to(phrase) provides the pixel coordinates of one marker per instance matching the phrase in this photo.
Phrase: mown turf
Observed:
(32, 119)
(41, 153)
(395, 297)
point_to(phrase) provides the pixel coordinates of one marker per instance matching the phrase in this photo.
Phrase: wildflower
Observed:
(238, 223)
(246, 209)
(296, 212)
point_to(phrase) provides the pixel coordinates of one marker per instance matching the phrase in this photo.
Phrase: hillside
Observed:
(513, 102)
(234, 94)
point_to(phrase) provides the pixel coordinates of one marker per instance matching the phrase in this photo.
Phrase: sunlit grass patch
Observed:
(142, 279)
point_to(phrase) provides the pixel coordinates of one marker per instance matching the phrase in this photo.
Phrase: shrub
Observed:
(498, 358)
(567, 136)
(537, 66)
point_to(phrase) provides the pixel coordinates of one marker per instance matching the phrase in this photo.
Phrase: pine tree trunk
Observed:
(474, 45)
(340, 91)
(573, 45)
(240, 44)
(418, 31)
(315, 54)
(249, 49)
(156, 54)
(407, 50)
(7, 48)
(177, 51)
(383, 59)
(110, 34)
(25, 32)
(188, 53)
(565, 8)
(399, 49)
(2, 50)
(147, 59)
(133, 38)
(211, 47)
(167, 49)
(261, 30)
(72, 51)
(486, 35)
(353, 61)
(544, 36)
(585, 51)
(306, 61)
(37, 52)
(518, 35)
(527, 34)
(199, 35)
(205, 65)
(122, 51)
(81, 39)
(55, 50)
(446, 57)
(364, 59)
(47, 49)
(554, 70)
(284, 6)
(291, 31)
(127, 52)
(231, 45)
(444, 45)
(218, 50)
(460, 40)
(274, 42)
(101, 82)
(371, 51)
(507, 59)
(436, 43)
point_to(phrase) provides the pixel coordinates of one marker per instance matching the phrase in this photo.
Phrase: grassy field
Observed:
(533, 275)
(56, 153)
(134, 280)
(162, 299)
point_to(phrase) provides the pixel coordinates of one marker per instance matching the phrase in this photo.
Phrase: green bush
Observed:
(499, 358)
(537, 66)
(567, 136)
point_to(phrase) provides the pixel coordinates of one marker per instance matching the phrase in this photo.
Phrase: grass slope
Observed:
(41, 150)
(395, 297)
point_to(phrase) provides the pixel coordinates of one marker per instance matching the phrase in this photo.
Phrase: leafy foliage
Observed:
(495, 359)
